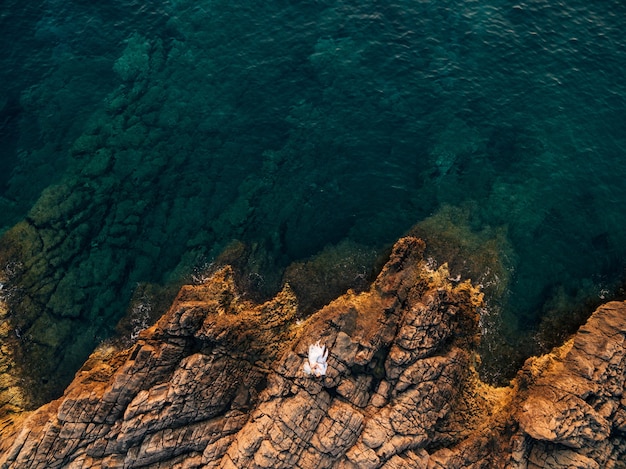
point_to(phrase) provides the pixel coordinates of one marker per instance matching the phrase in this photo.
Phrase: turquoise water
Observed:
(138, 140)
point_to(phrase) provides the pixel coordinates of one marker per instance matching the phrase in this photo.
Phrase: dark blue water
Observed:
(138, 140)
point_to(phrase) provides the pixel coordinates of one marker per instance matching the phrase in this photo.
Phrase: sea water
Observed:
(140, 138)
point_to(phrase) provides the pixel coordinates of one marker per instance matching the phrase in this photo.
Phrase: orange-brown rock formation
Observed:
(219, 382)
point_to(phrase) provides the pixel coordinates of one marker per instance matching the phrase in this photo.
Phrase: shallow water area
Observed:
(140, 140)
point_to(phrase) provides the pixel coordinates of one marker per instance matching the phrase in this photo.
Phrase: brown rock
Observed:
(219, 382)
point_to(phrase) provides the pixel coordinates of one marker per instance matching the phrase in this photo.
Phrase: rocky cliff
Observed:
(219, 382)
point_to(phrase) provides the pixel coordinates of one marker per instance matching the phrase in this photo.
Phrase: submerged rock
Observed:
(219, 382)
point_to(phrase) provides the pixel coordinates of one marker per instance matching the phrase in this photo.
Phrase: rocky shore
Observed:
(219, 382)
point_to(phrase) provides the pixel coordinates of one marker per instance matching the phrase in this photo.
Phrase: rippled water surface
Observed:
(140, 138)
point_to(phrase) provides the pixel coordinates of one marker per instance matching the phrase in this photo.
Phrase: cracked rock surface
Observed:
(218, 382)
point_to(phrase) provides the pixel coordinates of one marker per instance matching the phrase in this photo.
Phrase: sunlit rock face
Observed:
(219, 381)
